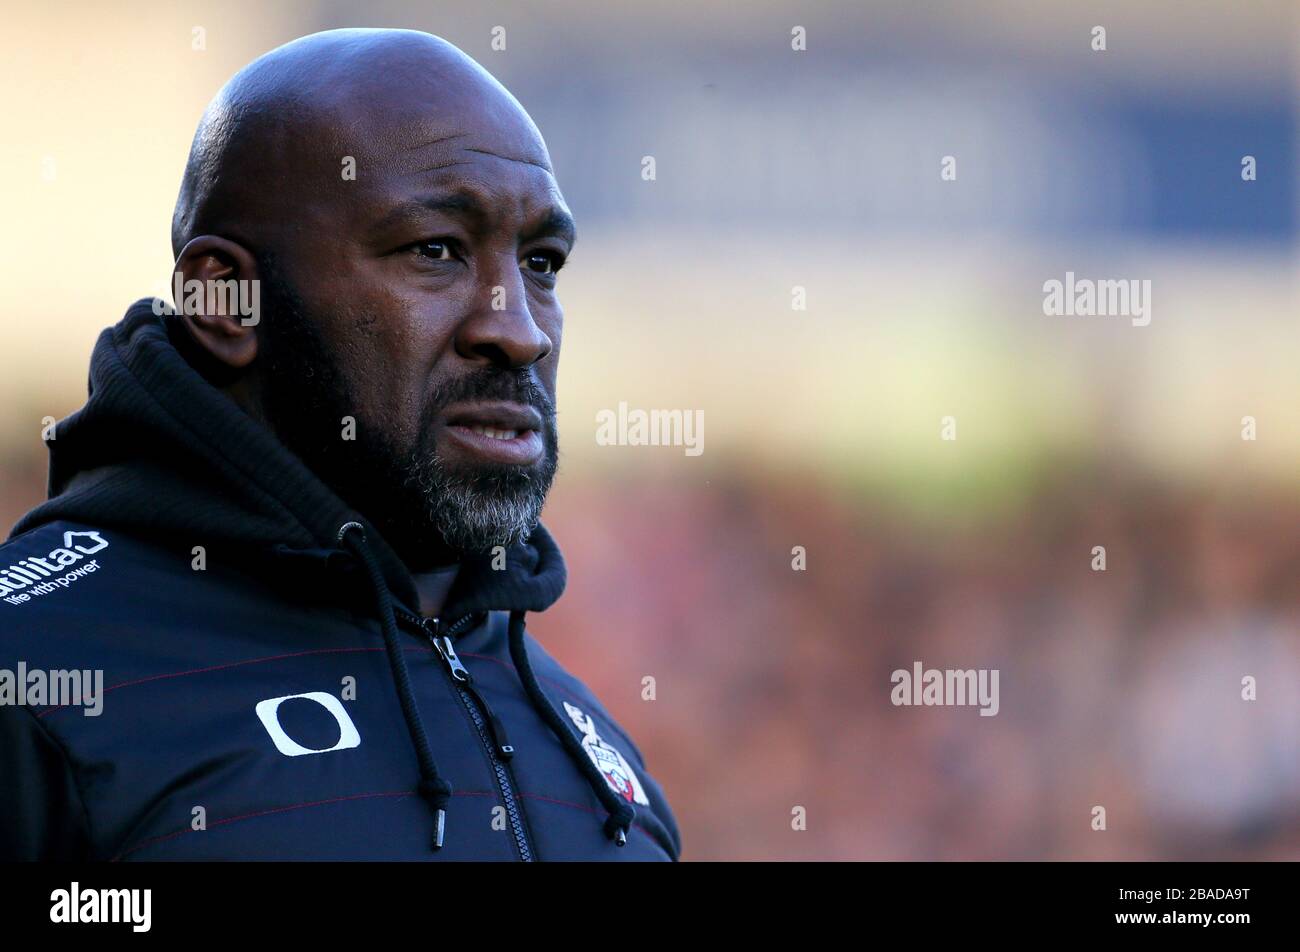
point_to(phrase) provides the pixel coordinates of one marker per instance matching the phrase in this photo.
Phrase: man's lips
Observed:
(495, 431)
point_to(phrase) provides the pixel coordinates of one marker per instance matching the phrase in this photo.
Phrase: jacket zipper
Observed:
(491, 731)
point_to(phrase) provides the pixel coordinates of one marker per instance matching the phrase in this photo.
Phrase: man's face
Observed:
(420, 300)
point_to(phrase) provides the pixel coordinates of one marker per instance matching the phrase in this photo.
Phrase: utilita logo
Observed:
(38, 575)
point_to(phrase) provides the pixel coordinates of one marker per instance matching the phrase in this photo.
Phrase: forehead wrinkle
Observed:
(444, 165)
(489, 190)
(439, 139)
(454, 162)
(510, 158)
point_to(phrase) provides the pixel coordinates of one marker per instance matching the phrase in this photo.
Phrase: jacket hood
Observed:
(160, 452)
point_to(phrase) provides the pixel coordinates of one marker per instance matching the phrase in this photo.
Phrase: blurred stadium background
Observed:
(821, 169)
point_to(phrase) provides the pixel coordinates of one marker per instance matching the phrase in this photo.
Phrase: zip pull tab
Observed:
(448, 652)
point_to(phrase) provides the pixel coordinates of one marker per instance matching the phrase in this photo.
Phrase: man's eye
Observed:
(545, 262)
(435, 250)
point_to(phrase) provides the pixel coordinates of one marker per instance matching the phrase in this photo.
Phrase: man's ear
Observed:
(221, 298)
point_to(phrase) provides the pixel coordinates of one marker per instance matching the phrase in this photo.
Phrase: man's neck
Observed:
(432, 588)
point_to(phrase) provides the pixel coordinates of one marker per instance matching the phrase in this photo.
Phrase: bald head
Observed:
(276, 136)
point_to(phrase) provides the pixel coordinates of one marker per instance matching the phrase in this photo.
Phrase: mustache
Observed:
(514, 386)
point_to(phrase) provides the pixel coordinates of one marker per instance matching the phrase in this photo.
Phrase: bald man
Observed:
(274, 607)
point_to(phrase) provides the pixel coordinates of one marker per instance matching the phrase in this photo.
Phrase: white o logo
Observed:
(268, 712)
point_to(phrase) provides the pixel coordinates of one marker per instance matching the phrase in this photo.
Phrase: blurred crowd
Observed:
(1119, 688)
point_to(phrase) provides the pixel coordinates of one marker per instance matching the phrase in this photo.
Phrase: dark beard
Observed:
(431, 514)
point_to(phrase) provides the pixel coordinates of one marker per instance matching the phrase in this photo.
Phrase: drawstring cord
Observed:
(433, 787)
(621, 813)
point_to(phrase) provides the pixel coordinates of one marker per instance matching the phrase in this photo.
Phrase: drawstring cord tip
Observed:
(617, 823)
(440, 827)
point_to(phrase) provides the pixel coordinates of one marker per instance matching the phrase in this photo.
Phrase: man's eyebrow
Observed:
(557, 221)
(456, 203)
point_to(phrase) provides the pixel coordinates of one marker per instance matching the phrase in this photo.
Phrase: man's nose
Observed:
(500, 329)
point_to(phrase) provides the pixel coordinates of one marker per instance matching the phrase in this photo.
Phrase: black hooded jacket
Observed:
(267, 688)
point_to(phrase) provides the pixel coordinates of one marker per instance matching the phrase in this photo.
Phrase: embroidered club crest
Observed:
(612, 765)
